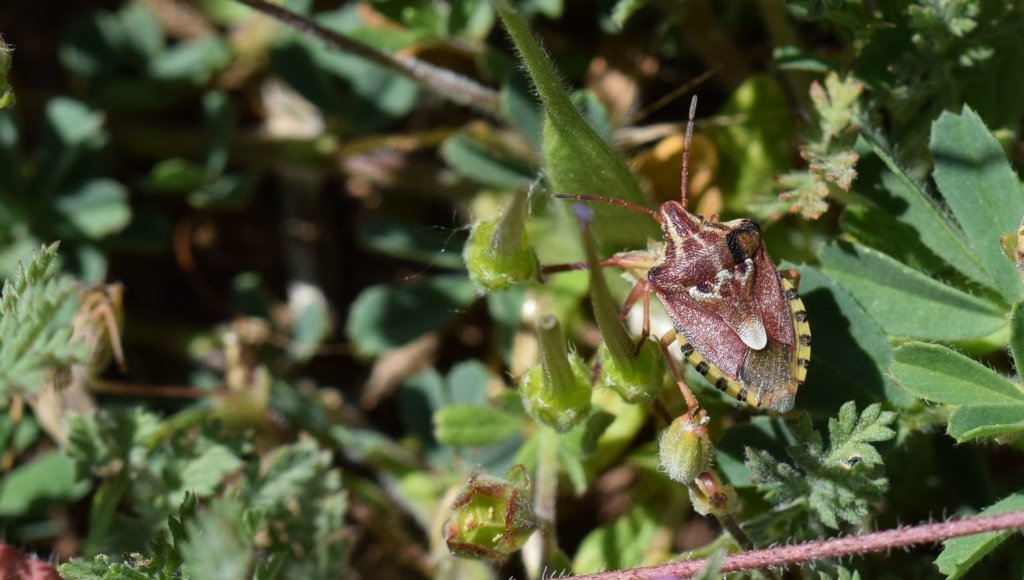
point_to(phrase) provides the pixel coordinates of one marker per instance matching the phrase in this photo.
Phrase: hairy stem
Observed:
(445, 83)
(836, 547)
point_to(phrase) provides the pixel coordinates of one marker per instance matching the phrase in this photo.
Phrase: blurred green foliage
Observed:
(310, 375)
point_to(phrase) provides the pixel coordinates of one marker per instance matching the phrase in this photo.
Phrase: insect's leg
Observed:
(106, 312)
(791, 275)
(625, 260)
(666, 341)
(646, 331)
(639, 289)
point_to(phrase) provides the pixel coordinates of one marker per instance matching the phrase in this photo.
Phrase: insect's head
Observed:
(677, 222)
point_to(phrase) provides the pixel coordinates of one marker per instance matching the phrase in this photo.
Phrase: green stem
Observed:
(620, 345)
(544, 501)
(104, 506)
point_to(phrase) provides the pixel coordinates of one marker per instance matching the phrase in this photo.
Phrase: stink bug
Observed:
(738, 322)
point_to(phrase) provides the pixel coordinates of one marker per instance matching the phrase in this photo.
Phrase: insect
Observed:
(737, 320)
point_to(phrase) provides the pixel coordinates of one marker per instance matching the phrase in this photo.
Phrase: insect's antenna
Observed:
(611, 200)
(686, 149)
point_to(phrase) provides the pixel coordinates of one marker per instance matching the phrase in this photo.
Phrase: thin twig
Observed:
(445, 83)
(836, 547)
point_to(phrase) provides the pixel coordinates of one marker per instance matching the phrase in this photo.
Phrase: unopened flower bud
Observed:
(498, 253)
(491, 517)
(557, 391)
(685, 450)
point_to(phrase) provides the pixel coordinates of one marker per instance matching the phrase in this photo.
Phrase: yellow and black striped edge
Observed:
(732, 388)
(803, 330)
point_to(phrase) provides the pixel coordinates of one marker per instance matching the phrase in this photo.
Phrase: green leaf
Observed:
(34, 486)
(386, 316)
(959, 554)
(938, 374)
(520, 106)
(838, 484)
(12, 177)
(916, 207)
(981, 189)
(472, 159)
(220, 118)
(373, 95)
(137, 31)
(849, 349)
(433, 246)
(623, 9)
(176, 175)
(219, 545)
(311, 320)
(906, 302)
(204, 473)
(6, 94)
(619, 544)
(35, 325)
(98, 208)
(467, 383)
(475, 425)
(195, 61)
(764, 433)
(877, 228)
(974, 421)
(576, 158)
(73, 122)
(1017, 333)
(798, 59)
(228, 191)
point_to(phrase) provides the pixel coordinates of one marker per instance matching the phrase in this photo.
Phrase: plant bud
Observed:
(491, 517)
(685, 451)
(498, 253)
(557, 391)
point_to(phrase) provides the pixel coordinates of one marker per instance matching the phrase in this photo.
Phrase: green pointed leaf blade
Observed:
(475, 425)
(471, 158)
(386, 316)
(194, 60)
(97, 208)
(311, 320)
(619, 544)
(959, 554)
(906, 302)
(981, 189)
(921, 211)
(942, 375)
(176, 175)
(32, 487)
(1017, 333)
(877, 228)
(577, 159)
(975, 421)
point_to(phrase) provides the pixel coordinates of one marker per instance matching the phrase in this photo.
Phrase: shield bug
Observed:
(738, 321)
